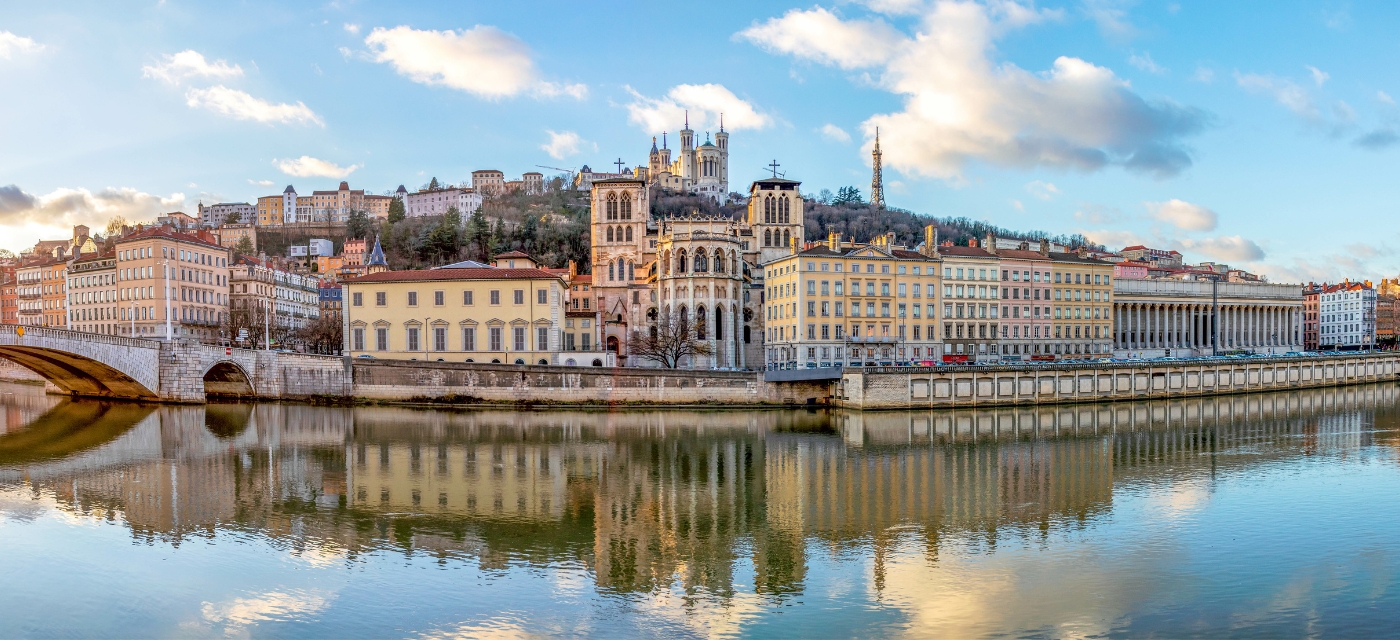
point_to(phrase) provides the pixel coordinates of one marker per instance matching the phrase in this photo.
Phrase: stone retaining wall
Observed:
(970, 386)
(427, 381)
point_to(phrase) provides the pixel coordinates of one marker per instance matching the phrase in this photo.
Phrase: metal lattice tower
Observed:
(877, 182)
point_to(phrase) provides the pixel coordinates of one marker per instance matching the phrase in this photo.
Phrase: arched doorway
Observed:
(227, 380)
(613, 345)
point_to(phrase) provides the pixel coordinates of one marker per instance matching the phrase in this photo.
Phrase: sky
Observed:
(1265, 135)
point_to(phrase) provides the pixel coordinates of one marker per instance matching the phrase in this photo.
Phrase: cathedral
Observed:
(703, 268)
(702, 170)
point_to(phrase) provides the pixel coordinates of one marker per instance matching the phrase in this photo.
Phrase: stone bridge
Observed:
(89, 364)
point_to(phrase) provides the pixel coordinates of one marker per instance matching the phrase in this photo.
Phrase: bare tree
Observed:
(324, 335)
(668, 343)
(247, 314)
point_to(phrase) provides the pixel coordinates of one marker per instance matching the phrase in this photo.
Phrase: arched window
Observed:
(787, 238)
(610, 234)
(621, 270)
(733, 263)
(768, 209)
(680, 261)
(610, 272)
(626, 206)
(783, 209)
(629, 234)
(767, 237)
(719, 261)
(612, 206)
(700, 329)
(719, 323)
(702, 264)
(631, 271)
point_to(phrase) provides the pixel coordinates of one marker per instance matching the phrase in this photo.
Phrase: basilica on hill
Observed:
(703, 268)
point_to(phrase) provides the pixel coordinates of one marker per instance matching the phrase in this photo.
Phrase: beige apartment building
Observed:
(488, 182)
(844, 304)
(171, 279)
(92, 294)
(40, 290)
(1083, 305)
(490, 314)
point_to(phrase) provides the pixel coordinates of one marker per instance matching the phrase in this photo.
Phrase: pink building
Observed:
(1025, 304)
(1130, 271)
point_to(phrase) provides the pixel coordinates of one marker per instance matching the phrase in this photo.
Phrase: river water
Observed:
(1262, 515)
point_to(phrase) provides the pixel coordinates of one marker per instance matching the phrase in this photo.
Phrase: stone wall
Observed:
(399, 381)
(969, 386)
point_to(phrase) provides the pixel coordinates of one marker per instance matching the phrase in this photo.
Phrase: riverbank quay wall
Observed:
(394, 381)
(990, 386)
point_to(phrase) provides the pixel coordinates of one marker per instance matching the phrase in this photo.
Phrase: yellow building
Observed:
(840, 304)
(1083, 291)
(503, 315)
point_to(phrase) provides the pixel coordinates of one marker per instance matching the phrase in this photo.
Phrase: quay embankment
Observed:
(990, 386)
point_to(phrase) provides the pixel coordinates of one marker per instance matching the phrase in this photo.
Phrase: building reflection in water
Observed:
(647, 499)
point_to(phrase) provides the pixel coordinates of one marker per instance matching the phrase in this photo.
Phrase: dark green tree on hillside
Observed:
(396, 211)
(357, 225)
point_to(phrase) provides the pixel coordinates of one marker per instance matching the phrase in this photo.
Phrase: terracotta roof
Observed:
(965, 252)
(105, 255)
(1017, 254)
(454, 274)
(514, 254)
(583, 278)
(163, 232)
(1074, 257)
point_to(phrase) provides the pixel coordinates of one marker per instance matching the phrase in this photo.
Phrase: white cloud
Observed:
(351, 28)
(1114, 239)
(833, 132)
(1018, 205)
(189, 64)
(309, 167)
(1319, 76)
(1284, 91)
(1146, 63)
(1098, 214)
(261, 183)
(705, 104)
(961, 106)
(1204, 75)
(1043, 190)
(822, 36)
(11, 44)
(1184, 215)
(1112, 17)
(28, 218)
(1226, 248)
(483, 61)
(1385, 98)
(265, 607)
(895, 7)
(241, 106)
(562, 144)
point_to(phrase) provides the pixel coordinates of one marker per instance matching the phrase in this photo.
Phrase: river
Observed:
(1260, 515)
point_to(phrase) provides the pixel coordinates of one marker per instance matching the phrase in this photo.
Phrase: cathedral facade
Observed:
(702, 268)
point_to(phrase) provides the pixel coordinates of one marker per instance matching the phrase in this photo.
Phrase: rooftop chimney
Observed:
(1044, 247)
(991, 244)
(833, 241)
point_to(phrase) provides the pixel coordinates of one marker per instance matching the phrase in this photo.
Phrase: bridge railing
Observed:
(69, 334)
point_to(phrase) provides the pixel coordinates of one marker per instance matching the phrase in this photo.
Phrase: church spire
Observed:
(721, 122)
(877, 182)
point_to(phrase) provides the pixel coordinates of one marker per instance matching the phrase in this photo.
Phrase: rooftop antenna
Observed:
(687, 118)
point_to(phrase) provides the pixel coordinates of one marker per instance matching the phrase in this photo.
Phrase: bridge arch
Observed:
(76, 373)
(227, 378)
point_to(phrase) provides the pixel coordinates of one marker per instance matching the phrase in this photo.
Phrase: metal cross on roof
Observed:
(619, 164)
(774, 167)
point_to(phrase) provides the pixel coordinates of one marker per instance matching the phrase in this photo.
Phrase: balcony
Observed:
(30, 296)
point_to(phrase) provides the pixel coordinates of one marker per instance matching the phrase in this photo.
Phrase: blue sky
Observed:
(1264, 135)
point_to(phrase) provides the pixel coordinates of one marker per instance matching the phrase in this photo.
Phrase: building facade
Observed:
(472, 315)
(1179, 318)
(488, 182)
(1311, 294)
(1347, 314)
(171, 284)
(885, 314)
(217, 215)
(92, 293)
(436, 202)
(701, 170)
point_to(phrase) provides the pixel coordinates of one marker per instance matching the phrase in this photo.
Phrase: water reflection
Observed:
(693, 507)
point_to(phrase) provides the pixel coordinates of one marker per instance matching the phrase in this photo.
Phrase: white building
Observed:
(435, 202)
(216, 215)
(702, 170)
(1347, 317)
